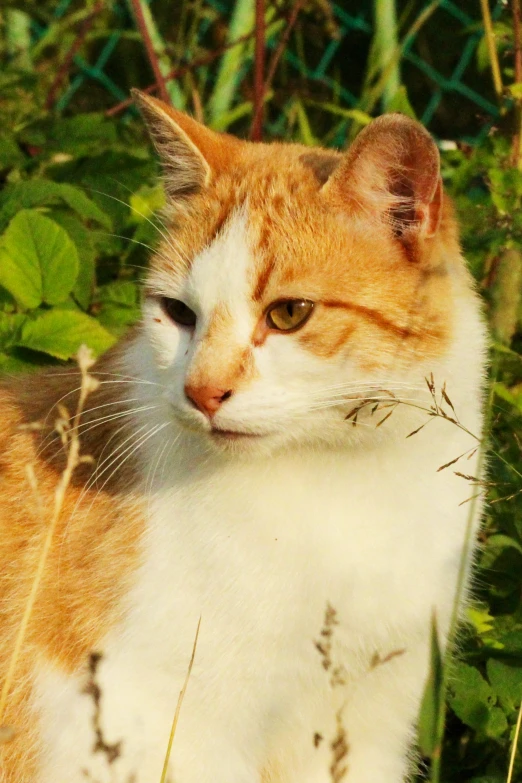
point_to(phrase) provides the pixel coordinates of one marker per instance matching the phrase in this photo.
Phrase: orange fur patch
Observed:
(92, 558)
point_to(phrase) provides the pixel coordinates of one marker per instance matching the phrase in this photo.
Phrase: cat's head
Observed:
(292, 283)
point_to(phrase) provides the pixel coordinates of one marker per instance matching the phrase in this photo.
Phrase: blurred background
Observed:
(79, 202)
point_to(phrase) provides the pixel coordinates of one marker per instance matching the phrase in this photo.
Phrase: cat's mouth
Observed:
(222, 434)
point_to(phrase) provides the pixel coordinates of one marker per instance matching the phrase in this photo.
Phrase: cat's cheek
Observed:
(169, 342)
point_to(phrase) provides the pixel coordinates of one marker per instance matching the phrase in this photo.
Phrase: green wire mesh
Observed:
(443, 90)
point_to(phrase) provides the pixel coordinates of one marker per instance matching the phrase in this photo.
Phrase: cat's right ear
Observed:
(189, 152)
(391, 174)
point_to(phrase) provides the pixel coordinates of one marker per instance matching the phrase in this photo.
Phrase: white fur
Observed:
(258, 539)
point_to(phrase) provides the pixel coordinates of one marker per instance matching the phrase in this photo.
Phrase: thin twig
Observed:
(69, 57)
(492, 48)
(517, 47)
(256, 133)
(180, 70)
(72, 439)
(278, 53)
(178, 708)
(161, 81)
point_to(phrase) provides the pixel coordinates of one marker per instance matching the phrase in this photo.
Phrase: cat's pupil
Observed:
(290, 315)
(179, 312)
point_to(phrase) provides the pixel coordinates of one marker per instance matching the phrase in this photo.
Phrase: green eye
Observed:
(289, 315)
(178, 312)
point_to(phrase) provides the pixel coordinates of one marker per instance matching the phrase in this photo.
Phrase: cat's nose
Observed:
(207, 399)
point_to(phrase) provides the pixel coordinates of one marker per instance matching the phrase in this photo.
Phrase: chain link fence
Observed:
(324, 62)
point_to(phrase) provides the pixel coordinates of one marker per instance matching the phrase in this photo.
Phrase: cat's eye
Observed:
(178, 312)
(289, 315)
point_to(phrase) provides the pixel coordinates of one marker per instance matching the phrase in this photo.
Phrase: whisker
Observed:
(90, 425)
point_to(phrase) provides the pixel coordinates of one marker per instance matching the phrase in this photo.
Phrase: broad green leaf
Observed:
(117, 305)
(432, 699)
(38, 192)
(506, 681)
(471, 697)
(12, 364)
(60, 333)
(496, 724)
(38, 261)
(83, 134)
(10, 326)
(109, 179)
(83, 239)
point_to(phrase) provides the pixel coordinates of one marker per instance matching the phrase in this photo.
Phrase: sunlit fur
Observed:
(311, 506)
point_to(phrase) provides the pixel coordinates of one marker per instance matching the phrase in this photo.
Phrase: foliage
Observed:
(77, 222)
(71, 247)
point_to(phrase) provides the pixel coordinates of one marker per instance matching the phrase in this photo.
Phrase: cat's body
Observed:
(315, 551)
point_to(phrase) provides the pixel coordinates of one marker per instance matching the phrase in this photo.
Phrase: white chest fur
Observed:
(259, 551)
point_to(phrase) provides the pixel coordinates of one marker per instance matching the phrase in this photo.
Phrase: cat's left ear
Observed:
(392, 173)
(190, 153)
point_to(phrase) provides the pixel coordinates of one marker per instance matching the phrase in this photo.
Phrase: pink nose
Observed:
(207, 399)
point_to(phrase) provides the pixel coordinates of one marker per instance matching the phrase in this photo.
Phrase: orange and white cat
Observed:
(297, 298)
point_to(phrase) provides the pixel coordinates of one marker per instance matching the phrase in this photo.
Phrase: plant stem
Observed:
(69, 57)
(178, 708)
(386, 43)
(436, 761)
(514, 746)
(492, 48)
(256, 132)
(73, 460)
(517, 46)
(149, 47)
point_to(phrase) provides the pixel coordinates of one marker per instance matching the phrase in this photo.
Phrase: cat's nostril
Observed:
(207, 399)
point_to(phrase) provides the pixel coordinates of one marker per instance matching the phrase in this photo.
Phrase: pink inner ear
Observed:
(392, 173)
(434, 211)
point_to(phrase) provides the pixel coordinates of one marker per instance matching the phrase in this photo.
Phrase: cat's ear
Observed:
(189, 152)
(392, 172)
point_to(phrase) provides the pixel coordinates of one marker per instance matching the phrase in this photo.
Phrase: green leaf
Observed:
(10, 326)
(432, 699)
(10, 153)
(146, 201)
(83, 239)
(84, 134)
(38, 192)
(60, 333)
(12, 364)
(38, 261)
(506, 681)
(496, 724)
(481, 619)
(502, 541)
(117, 305)
(471, 697)
(361, 117)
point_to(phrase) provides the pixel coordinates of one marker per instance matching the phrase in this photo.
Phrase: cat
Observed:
(249, 469)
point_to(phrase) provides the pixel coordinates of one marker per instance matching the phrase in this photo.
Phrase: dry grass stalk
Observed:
(340, 748)
(178, 708)
(492, 48)
(514, 746)
(70, 439)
